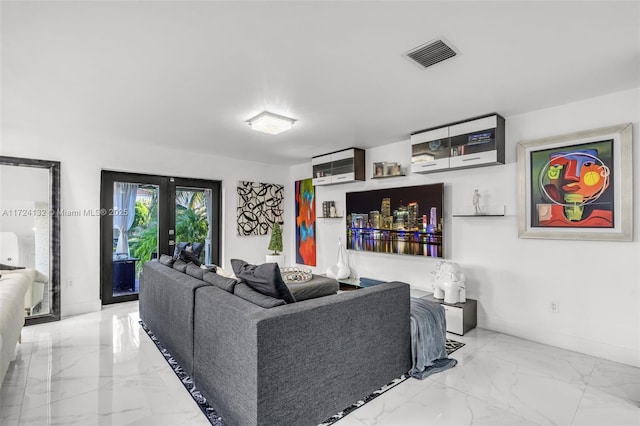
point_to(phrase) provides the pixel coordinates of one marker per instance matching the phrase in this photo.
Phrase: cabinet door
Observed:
(342, 166)
(454, 319)
(473, 141)
(321, 169)
(430, 150)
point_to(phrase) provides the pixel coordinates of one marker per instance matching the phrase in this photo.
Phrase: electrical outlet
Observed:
(554, 306)
(69, 283)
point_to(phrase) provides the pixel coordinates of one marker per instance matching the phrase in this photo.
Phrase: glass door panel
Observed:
(135, 233)
(193, 213)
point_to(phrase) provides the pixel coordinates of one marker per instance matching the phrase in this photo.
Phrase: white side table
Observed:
(461, 317)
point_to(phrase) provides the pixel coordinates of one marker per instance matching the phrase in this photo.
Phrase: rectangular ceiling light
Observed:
(268, 122)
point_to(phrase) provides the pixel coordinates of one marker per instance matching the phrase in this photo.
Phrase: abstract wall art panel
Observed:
(260, 205)
(305, 222)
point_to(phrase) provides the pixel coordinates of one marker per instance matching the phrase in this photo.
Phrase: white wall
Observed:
(83, 157)
(9, 249)
(597, 284)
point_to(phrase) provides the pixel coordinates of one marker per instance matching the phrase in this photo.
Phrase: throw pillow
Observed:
(178, 250)
(189, 256)
(197, 248)
(265, 279)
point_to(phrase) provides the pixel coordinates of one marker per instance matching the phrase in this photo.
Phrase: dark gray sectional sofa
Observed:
(293, 364)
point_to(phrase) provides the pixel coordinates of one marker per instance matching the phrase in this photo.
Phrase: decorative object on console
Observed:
(405, 220)
(329, 209)
(448, 282)
(293, 274)
(305, 222)
(340, 270)
(476, 202)
(275, 244)
(577, 186)
(382, 170)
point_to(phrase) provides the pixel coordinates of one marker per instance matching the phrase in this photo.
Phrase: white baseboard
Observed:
(612, 352)
(71, 309)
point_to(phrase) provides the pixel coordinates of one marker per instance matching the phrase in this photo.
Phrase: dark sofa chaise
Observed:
(293, 364)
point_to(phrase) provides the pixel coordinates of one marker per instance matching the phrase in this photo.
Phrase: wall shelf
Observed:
(486, 211)
(329, 217)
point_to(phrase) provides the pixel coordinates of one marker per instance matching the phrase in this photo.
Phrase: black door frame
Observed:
(166, 221)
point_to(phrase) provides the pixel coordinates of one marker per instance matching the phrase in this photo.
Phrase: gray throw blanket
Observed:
(428, 337)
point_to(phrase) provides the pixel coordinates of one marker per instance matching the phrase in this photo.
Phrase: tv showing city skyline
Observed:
(406, 220)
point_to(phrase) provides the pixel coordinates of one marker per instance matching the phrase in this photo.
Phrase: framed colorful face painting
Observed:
(577, 186)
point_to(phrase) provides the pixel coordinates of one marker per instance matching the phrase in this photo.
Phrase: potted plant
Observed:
(275, 245)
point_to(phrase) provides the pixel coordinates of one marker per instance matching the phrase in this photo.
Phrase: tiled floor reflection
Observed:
(101, 369)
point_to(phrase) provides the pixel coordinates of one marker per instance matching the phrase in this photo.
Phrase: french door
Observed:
(145, 216)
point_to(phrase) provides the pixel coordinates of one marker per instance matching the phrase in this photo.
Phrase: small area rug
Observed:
(216, 420)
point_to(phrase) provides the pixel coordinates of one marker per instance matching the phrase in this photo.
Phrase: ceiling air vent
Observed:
(431, 53)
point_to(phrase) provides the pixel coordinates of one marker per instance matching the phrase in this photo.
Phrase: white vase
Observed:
(341, 270)
(276, 258)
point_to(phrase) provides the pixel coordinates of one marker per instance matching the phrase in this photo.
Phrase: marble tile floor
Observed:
(102, 369)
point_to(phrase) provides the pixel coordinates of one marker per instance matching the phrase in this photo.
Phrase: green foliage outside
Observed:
(275, 243)
(191, 224)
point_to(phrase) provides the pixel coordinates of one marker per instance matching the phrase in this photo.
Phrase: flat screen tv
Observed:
(405, 220)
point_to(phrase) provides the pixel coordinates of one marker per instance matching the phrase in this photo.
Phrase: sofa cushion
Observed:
(265, 279)
(194, 271)
(166, 260)
(318, 286)
(180, 265)
(247, 293)
(226, 284)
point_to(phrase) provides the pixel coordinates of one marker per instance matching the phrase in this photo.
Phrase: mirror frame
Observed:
(54, 237)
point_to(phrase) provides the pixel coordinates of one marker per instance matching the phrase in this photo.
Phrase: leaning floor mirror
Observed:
(30, 232)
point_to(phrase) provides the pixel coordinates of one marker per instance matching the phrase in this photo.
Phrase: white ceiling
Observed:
(188, 74)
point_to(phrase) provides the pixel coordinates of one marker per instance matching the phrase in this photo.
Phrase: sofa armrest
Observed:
(166, 304)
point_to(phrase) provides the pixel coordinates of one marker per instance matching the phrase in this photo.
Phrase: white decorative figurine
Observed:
(448, 283)
(341, 270)
(476, 201)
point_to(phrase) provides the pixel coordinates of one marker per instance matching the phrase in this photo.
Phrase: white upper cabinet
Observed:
(471, 143)
(338, 167)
